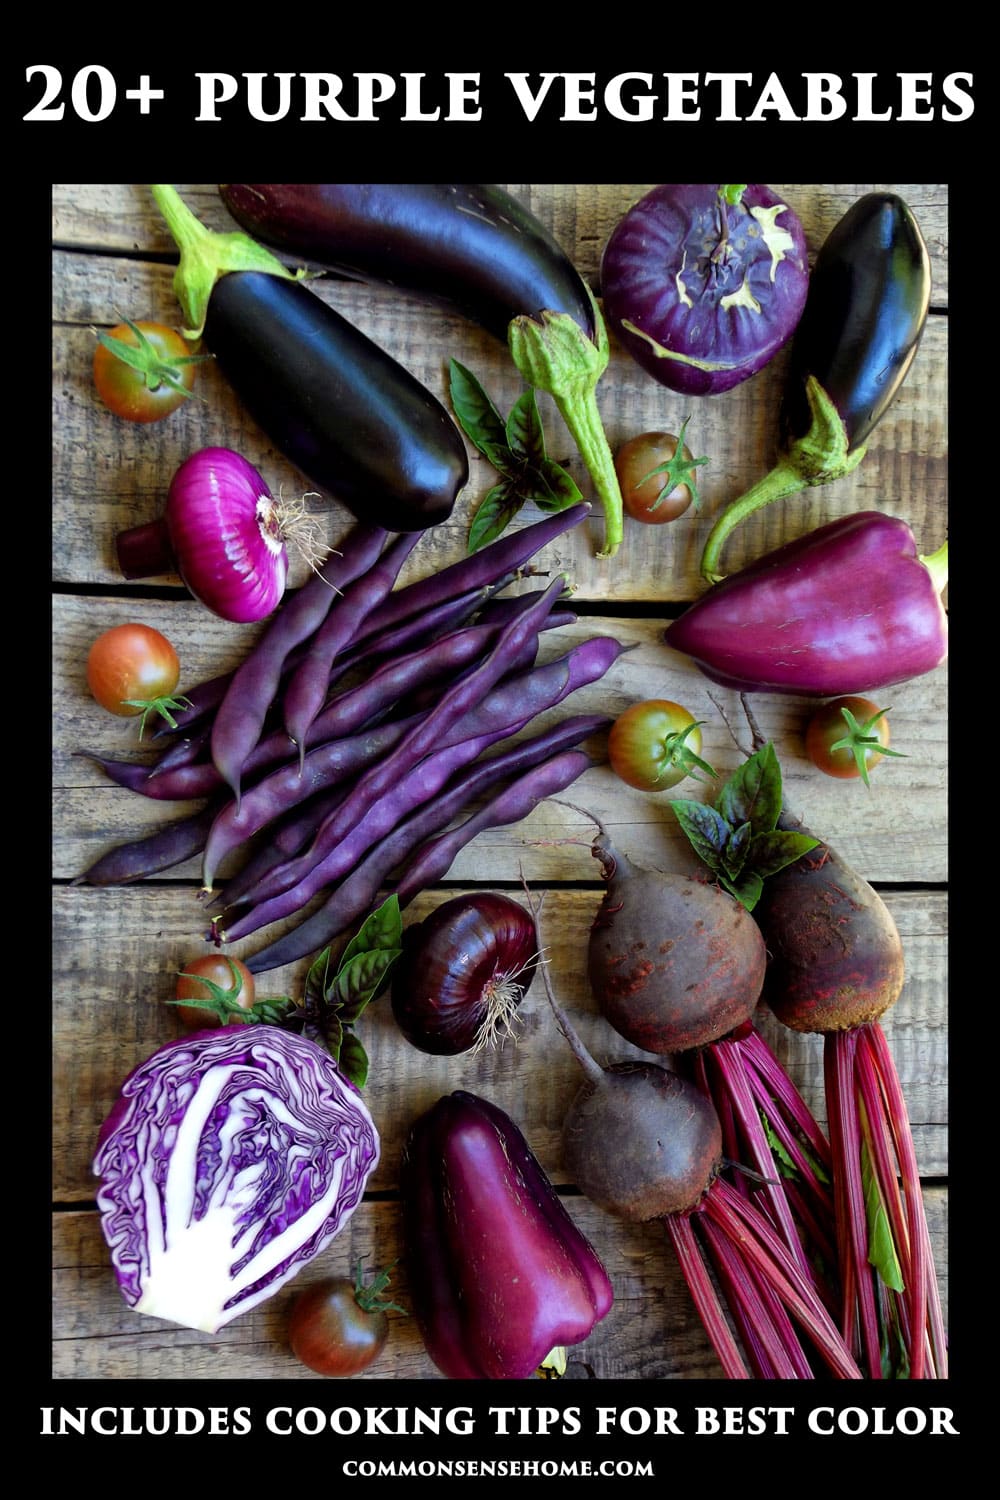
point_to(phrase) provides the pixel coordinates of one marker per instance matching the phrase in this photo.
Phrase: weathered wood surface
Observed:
(116, 951)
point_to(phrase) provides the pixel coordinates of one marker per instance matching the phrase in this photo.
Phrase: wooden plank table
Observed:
(116, 950)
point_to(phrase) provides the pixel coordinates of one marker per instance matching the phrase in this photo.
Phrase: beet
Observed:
(645, 1144)
(835, 967)
(835, 957)
(660, 1142)
(674, 963)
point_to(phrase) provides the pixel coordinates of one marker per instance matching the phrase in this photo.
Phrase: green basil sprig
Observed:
(516, 449)
(337, 994)
(738, 837)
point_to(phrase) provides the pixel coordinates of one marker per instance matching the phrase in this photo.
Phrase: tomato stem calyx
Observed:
(166, 707)
(156, 369)
(369, 1295)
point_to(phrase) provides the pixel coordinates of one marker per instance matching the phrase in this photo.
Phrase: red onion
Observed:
(224, 533)
(463, 973)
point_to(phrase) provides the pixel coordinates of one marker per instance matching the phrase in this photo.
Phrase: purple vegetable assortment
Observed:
(370, 736)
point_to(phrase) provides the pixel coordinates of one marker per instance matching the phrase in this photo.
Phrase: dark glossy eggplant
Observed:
(469, 246)
(357, 424)
(476, 249)
(869, 295)
(352, 419)
(867, 305)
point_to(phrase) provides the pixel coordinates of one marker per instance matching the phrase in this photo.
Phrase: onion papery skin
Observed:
(699, 311)
(226, 536)
(451, 965)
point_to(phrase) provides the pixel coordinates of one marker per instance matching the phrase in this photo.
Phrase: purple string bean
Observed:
(240, 716)
(307, 689)
(427, 734)
(541, 767)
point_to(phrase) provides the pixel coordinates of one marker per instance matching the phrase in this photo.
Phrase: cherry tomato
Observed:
(656, 474)
(847, 737)
(655, 744)
(339, 1327)
(223, 980)
(130, 668)
(144, 371)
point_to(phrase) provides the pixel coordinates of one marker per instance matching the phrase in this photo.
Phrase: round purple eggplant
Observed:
(702, 290)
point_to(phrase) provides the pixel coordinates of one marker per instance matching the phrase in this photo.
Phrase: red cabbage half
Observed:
(231, 1158)
(702, 292)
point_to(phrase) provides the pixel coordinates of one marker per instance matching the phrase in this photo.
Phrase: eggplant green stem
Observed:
(821, 455)
(206, 255)
(554, 354)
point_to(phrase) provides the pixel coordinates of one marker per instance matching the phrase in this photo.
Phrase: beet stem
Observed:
(925, 1299)
(726, 1055)
(744, 1221)
(768, 1334)
(706, 1298)
(852, 1235)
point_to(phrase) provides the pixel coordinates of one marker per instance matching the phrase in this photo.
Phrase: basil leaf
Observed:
(555, 489)
(353, 1062)
(735, 853)
(771, 852)
(524, 435)
(360, 980)
(706, 830)
(478, 417)
(753, 792)
(318, 976)
(333, 1034)
(746, 888)
(494, 514)
(383, 928)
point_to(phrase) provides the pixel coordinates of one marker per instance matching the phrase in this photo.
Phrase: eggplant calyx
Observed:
(554, 354)
(206, 255)
(822, 454)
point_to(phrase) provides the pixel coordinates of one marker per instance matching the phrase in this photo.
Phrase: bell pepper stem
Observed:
(554, 354)
(207, 254)
(822, 454)
(936, 564)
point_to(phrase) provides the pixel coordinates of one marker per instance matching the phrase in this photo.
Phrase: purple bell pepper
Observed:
(844, 609)
(500, 1277)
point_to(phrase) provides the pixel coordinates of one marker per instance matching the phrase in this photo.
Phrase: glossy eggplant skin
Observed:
(499, 1274)
(469, 246)
(869, 294)
(357, 424)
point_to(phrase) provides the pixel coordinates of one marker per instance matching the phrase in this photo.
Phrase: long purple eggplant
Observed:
(470, 246)
(358, 424)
